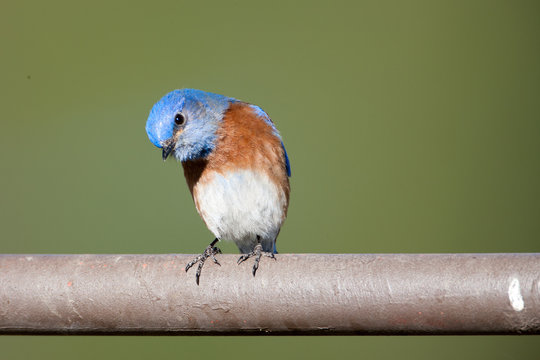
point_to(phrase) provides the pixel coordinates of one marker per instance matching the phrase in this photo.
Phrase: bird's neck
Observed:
(193, 170)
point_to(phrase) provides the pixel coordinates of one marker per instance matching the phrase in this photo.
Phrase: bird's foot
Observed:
(257, 253)
(209, 252)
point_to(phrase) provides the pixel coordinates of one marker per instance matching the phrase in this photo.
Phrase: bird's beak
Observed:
(168, 147)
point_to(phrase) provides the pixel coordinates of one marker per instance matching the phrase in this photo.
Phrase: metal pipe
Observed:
(307, 294)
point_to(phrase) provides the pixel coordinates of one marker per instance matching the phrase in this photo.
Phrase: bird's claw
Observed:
(257, 252)
(209, 252)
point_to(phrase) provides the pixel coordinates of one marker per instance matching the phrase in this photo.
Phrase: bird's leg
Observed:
(257, 252)
(210, 251)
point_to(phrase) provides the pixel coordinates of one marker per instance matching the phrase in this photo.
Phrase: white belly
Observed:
(241, 205)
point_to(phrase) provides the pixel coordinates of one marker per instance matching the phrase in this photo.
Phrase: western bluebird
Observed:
(235, 165)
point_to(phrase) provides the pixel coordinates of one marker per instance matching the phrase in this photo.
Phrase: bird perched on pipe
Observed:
(235, 165)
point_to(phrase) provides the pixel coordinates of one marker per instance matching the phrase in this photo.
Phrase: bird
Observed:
(235, 165)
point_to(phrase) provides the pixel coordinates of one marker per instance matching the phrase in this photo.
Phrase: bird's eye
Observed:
(179, 119)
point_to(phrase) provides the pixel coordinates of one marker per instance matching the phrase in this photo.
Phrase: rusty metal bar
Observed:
(307, 294)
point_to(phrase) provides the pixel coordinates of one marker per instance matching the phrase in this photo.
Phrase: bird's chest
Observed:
(240, 203)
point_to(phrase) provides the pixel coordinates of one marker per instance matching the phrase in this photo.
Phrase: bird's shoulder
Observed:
(245, 139)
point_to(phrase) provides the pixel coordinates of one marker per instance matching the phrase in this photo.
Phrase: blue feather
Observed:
(287, 163)
(260, 112)
(204, 112)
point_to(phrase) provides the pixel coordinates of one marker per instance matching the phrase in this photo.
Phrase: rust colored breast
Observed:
(244, 141)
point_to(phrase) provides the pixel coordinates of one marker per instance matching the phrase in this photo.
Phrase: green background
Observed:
(411, 127)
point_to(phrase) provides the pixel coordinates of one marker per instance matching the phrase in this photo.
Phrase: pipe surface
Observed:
(304, 294)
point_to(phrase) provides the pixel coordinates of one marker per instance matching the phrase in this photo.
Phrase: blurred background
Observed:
(411, 127)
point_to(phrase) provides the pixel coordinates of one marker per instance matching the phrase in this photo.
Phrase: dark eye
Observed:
(179, 119)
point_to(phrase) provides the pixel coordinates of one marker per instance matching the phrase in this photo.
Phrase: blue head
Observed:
(185, 122)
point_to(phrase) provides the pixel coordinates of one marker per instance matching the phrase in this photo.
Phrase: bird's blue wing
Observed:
(287, 163)
(260, 112)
